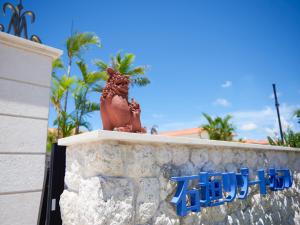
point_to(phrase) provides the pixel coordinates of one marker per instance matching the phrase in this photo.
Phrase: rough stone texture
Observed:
(147, 199)
(140, 163)
(111, 182)
(99, 201)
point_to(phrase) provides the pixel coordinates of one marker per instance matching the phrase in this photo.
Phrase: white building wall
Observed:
(25, 76)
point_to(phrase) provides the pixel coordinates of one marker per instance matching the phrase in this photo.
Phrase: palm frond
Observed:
(91, 107)
(297, 114)
(58, 90)
(140, 81)
(65, 124)
(101, 65)
(115, 64)
(83, 69)
(119, 57)
(57, 64)
(219, 128)
(97, 88)
(86, 125)
(123, 65)
(79, 41)
(66, 82)
(208, 118)
(96, 76)
(137, 70)
(126, 63)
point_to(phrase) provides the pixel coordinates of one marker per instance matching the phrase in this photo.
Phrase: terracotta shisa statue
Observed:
(117, 112)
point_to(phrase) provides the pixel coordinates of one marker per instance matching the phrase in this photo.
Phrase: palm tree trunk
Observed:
(58, 110)
(67, 92)
(58, 128)
(81, 113)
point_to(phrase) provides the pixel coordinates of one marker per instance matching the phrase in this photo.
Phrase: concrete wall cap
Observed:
(30, 46)
(103, 135)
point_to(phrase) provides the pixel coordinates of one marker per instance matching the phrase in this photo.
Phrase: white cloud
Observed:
(226, 84)
(265, 120)
(248, 126)
(222, 102)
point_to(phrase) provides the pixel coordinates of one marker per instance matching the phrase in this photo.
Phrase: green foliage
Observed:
(65, 124)
(81, 41)
(219, 128)
(297, 114)
(51, 138)
(76, 43)
(90, 77)
(123, 63)
(69, 123)
(84, 86)
(290, 139)
(58, 91)
(57, 64)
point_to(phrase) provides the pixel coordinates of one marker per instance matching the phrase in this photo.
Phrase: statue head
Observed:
(110, 71)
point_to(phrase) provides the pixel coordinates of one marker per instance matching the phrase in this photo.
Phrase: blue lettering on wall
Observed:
(213, 189)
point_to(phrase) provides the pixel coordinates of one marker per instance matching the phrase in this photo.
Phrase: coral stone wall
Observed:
(127, 182)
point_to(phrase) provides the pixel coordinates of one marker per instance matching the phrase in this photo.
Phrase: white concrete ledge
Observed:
(29, 46)
(102, 135)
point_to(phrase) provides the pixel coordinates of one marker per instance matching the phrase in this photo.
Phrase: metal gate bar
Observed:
(53, 187)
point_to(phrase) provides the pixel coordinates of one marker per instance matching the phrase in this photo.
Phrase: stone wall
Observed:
(25, 76)
(116, 178)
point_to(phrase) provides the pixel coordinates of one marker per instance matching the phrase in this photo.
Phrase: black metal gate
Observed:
(53, 187)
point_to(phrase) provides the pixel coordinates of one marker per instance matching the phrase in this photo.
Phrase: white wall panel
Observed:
(21, 172)
(23, 99)
(22, 134)
(22, 65)
(19, 209)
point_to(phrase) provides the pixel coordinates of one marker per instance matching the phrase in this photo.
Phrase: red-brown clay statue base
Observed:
(117, 112)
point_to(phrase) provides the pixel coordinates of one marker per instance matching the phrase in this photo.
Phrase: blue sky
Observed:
(218, 57)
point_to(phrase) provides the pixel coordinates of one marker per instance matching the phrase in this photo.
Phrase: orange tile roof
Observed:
(182, 132)
(260, 142)
(197, 130)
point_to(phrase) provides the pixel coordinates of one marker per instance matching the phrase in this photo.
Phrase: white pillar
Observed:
(25, 79)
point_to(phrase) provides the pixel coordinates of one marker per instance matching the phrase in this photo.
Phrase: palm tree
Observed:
(84, 86)
(123, 63)
(51, 138)
(58, 91)
(291, 139)
(65, 123)
(219, 128)
(76, 43)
